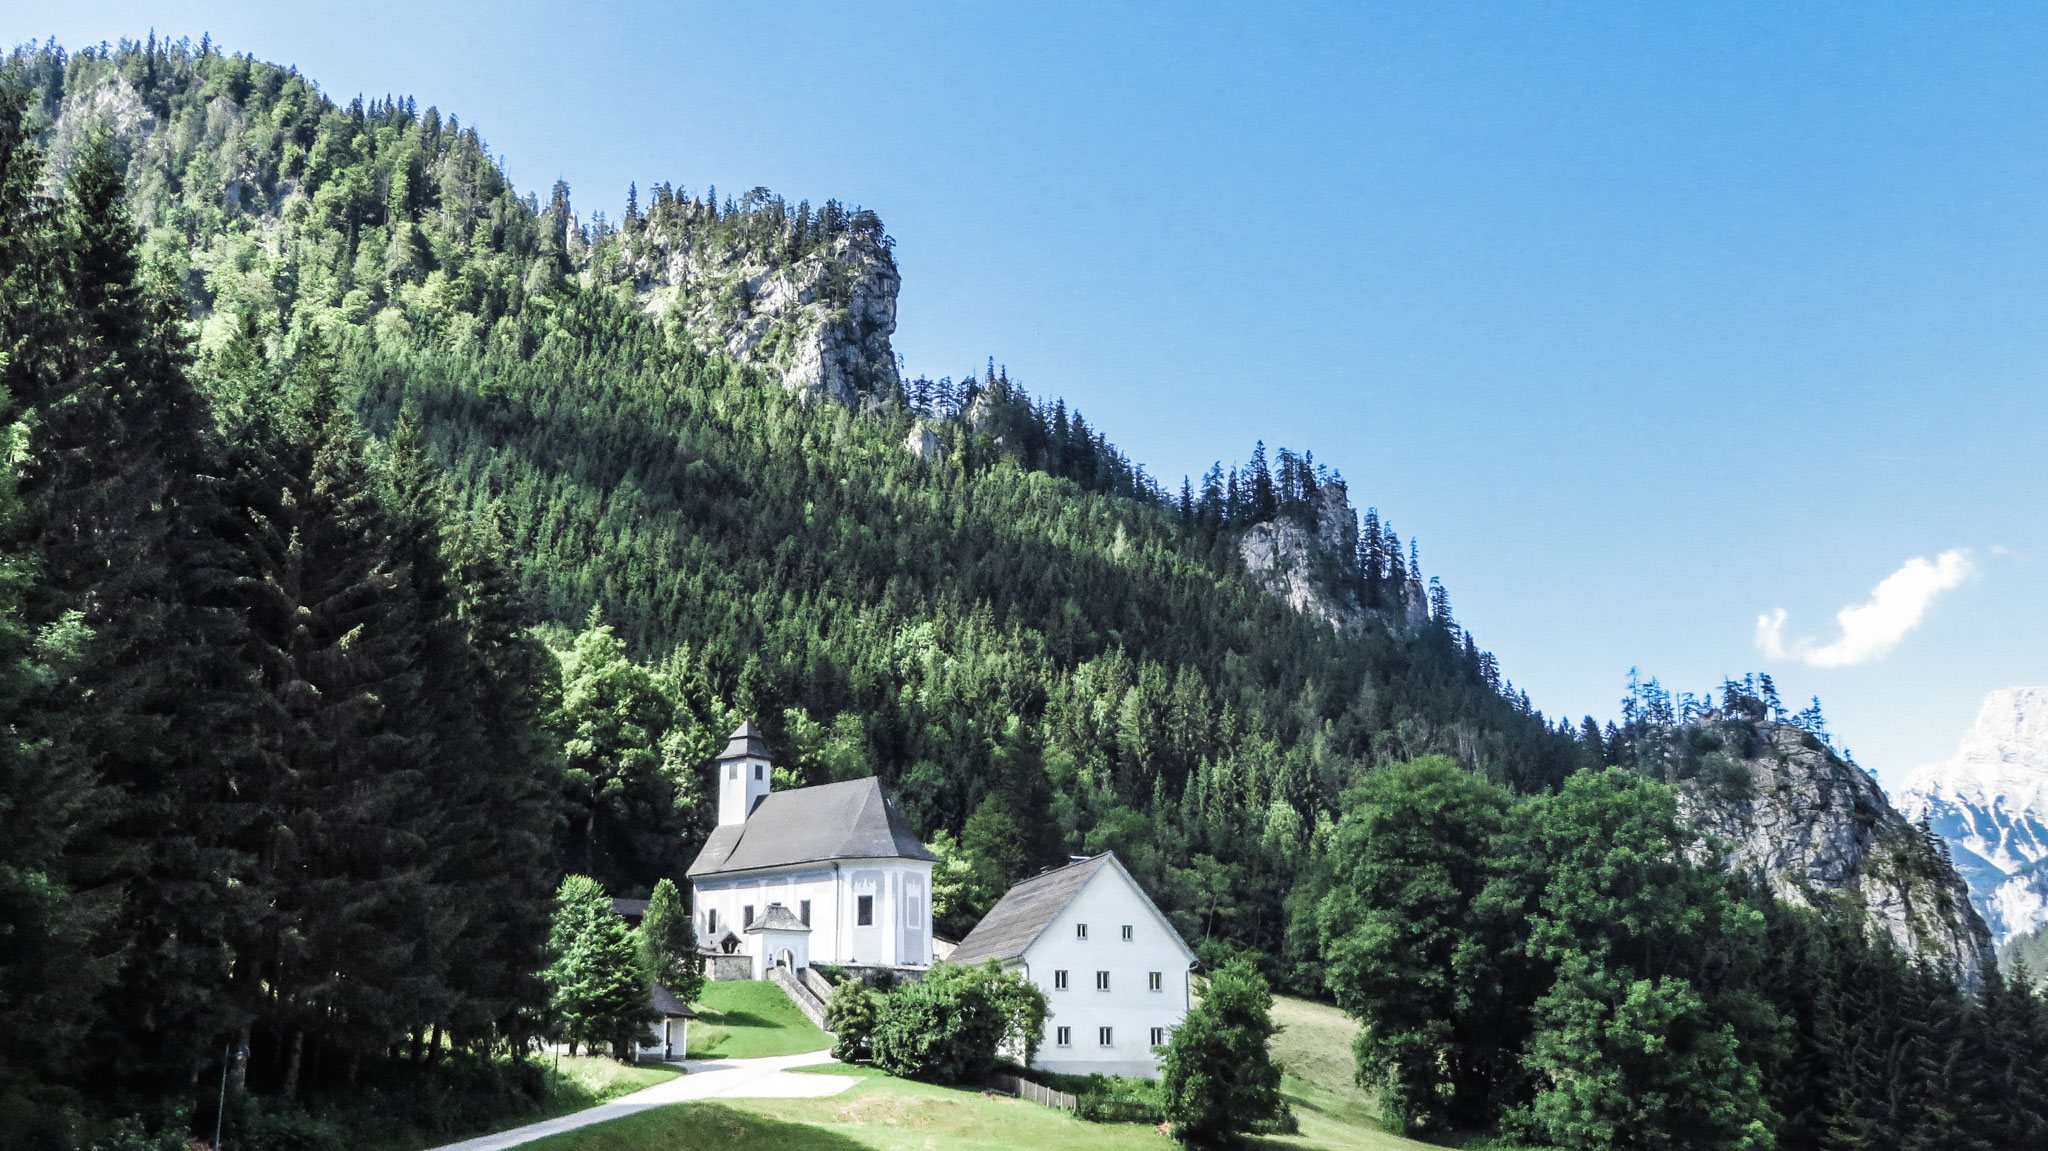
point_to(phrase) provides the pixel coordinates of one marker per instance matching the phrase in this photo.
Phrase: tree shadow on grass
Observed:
(701, 1125)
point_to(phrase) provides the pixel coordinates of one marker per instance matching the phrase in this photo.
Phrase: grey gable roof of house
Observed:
(1009, 928)
(848, 820)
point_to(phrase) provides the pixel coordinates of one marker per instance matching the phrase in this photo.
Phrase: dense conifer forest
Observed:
(372, 558)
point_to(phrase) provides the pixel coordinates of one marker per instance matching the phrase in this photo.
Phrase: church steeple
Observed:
(744, 774)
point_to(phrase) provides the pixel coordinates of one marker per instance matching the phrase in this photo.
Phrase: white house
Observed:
(668, 1035)
(826, 874)
(1114, 971)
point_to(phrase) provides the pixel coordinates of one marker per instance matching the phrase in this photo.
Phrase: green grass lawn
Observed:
(883, 1114)
(584, 1081)
(1314, 1046)
(596, 1079)
(745, 1018)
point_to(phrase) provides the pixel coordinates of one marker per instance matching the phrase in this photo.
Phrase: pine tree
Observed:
(598, 990)
(668, 943)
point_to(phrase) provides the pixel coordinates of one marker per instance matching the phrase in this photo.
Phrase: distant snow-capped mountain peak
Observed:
(1990, 802)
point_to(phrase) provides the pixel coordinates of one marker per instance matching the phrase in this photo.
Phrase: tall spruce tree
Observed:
(668, 943)
(598, 989)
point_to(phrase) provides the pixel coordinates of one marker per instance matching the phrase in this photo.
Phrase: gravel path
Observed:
(766, 1078)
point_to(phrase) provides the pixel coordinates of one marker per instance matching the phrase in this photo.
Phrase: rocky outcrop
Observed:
(1282, 557)
(1314, 570)
(923, 442)
(1989, 802)
(1774, 801)
(821, 322)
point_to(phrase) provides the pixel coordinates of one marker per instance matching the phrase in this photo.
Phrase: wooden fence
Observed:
(1026, 1089)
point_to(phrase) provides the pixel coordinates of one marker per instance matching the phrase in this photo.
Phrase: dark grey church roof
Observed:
(633, 909)
(777, 918)
(1010, 927)
(849, 820)
(745, 741)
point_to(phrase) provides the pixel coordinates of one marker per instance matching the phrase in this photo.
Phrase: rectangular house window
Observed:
(1063, 1037)
(1159, 1037)
(910, 910)
(757, 773)
(1105, 1036)
(864, 910)
(1059, 980)
(711, 921)
(1080, 931)
(1102, 981)
(1128, 933)
(733, 772)
(746, 917)
(1155, 980)
(803, 912)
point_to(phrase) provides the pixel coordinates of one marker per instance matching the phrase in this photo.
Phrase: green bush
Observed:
(1101, 1098)
(850, 1017)
(1107, 1099)
(936, 1033)
(1218, 1080)
(948, 1027)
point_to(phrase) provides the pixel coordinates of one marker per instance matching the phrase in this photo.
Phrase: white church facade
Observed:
(1116, 975)
(827, 874)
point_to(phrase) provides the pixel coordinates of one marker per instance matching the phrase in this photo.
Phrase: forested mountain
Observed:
(382, 543)
(1017, 623)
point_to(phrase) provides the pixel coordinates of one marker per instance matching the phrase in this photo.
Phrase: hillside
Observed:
(1015, 621)
(1781, 805)
(381, 544)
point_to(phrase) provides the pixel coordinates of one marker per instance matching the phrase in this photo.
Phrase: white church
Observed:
(833, 874)
(826, 874)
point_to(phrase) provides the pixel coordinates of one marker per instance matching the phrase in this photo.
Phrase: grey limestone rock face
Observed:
(1296, 564)
(1771, 800)
(1281, 557)
(821, 323)
(923, 442)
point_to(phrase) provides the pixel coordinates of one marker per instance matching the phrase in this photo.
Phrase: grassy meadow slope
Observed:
(884, 1114)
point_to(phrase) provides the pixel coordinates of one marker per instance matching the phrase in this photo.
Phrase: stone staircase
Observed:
(807, 989)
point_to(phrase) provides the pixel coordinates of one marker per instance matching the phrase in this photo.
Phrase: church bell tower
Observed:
(744, 775)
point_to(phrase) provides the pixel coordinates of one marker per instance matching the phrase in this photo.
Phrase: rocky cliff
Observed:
(807, 296)
(817, 311)
(1989, 802)
(1774, 801)
(1314, 567)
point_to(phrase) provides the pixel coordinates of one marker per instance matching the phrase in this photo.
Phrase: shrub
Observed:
(850, 1017)
(937, 1033)
(1218, 1080)
(1107, 1099)
(947, 1028)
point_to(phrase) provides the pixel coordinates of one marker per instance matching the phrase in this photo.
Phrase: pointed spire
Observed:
(745, 742)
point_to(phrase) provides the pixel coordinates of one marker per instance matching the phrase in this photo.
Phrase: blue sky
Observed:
(1648, 322)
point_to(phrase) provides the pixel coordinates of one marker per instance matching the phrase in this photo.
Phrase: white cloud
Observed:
(1873, 628)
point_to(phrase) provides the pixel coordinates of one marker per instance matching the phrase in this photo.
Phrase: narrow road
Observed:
(767, 1078)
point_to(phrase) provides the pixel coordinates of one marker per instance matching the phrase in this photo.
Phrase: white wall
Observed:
(1130, 1008)
(741, 784)
(900, 936)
